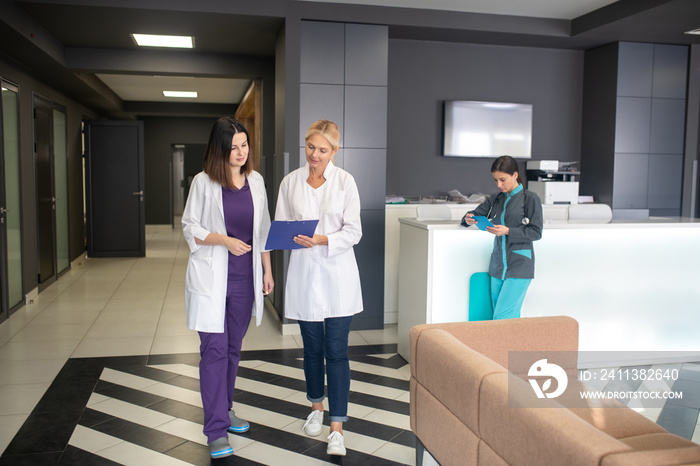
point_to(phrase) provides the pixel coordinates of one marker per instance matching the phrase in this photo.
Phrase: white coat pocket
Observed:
(337, 204)
(200, 275)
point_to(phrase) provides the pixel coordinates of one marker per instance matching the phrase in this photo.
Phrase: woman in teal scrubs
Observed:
(516, 214)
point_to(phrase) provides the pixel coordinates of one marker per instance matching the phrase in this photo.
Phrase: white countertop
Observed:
(654, 222)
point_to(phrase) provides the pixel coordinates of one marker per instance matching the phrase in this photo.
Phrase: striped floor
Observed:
(146, 410)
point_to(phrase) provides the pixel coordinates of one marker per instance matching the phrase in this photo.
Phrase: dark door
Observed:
(116, 218)
(45, 207)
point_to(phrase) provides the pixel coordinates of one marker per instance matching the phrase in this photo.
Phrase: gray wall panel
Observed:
(361, 114)
(365, 116)
(665, 174)
(633, 119)
(667, 126)
(370, 254)
(322, 52)
(635, 69)
(670, 71)
(630, 181)
(320, 102)
(368, 166)
(366, 54)
(424, 74)
(665, 212)
(598, 123)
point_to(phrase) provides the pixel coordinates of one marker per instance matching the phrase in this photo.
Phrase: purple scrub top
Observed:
(238, 216)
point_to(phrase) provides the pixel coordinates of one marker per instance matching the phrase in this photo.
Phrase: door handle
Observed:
(3, 211)
(139, 194)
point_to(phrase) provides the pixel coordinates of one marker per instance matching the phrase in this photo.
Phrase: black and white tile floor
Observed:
(100, 369)
(147, 410)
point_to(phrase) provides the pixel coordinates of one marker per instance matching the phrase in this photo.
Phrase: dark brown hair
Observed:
(216, 158)
(505, 164)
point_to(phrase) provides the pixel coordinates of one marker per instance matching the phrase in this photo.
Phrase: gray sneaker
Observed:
(314, 424)
(220, 448)
(238, 425)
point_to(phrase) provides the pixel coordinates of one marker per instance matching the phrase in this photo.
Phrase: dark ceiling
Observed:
(110, 27)
(67, 42)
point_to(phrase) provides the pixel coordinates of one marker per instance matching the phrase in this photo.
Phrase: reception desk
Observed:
(631, 286)
(394, 212)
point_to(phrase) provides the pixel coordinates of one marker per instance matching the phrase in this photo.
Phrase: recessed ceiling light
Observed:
(152, 40)
(694, 31)
(187, 94)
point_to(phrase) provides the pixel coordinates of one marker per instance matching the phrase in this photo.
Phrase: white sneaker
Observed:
(314, 423)
(336, 444)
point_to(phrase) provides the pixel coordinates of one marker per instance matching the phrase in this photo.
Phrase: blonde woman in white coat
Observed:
(225, 223)
(323, 283)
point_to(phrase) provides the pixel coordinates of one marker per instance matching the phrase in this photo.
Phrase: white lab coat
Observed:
(323, 281)
(207, 269)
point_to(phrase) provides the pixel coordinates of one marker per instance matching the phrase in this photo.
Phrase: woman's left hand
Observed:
(498, 230)
(308, 242)
(268, 283)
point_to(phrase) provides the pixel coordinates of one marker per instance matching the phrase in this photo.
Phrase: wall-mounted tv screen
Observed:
(486, 129)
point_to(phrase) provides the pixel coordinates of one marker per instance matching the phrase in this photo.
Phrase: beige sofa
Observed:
(460, 411)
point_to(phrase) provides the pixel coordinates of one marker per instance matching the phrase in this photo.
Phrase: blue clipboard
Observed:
(482, 222)
(282, 233)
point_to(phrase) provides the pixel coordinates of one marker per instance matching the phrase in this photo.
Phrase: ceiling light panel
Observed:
(152, 40)
(181, 94)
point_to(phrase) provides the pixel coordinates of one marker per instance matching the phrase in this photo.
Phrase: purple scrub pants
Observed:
(220, 355)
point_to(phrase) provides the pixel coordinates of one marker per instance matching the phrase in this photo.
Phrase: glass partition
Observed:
(61, 193)
(10, 133)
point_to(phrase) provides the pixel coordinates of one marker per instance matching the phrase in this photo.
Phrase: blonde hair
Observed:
(327, 129)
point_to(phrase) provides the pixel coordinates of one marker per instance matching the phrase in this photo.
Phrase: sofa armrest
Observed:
(495, 338)
(452, 373)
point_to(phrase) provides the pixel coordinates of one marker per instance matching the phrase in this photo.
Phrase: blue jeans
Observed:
(507, 297)
(328, 339)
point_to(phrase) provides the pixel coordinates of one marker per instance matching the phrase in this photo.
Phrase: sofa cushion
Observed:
(488, 457)
(608, 415)
(685, 456)
(453, 372)
(445, 436)
(537, 436)
(619, 423)
(658, 441)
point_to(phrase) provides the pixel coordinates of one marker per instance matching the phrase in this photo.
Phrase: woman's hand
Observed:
(498, 230)
(469, 220)
(307, 242)
(236, 246)
(268, 283)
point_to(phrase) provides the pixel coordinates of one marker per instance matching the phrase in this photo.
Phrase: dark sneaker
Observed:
(220, 448)
(238, 425)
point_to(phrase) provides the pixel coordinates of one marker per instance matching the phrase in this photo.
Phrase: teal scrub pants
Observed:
(507, 296)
